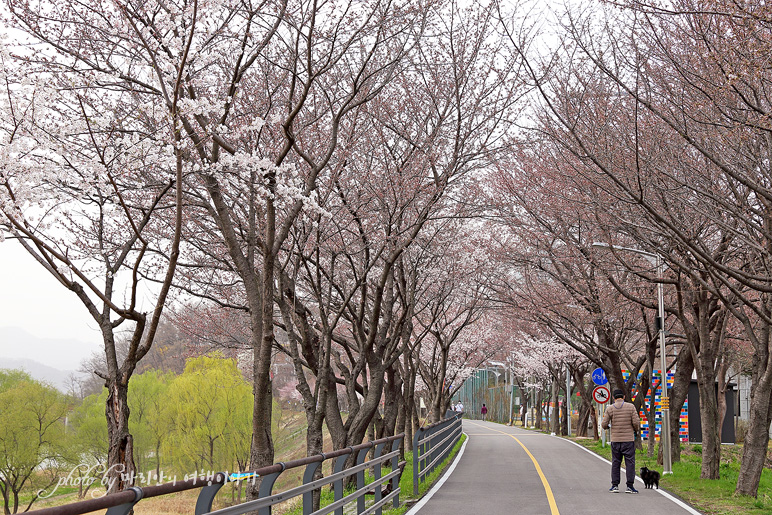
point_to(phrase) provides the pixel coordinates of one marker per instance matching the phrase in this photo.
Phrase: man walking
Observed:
(624, 421)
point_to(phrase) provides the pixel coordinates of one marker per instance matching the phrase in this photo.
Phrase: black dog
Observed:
(650, 477)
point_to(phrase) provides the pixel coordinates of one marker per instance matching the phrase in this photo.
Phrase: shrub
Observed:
(741, 431)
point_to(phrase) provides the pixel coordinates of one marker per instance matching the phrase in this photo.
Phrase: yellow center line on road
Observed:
(547, 489)
(503, 434)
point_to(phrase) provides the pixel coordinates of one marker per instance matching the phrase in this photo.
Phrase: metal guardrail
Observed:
(432, 444)
(122, 503)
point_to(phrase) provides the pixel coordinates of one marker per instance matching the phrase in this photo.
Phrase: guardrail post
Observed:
(125, 509)
(425, 455)
(308, 476)
(377, 476)
(266, 486)
(429, 468)
(438, 442)
(441, 445)
(451, 441)
(416, 458)
(394, 466)
(337, 486)
(456, 432)
(361, 478)
(439, 437)
(207, 493)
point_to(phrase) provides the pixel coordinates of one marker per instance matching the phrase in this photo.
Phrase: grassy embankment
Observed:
(289, 442)
(290, 445)
(712, 497)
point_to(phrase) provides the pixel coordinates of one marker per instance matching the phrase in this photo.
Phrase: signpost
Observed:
(601, 395)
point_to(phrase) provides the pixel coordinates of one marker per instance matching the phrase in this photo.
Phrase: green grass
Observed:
(406, 481)
(712, 497)
(26, 497)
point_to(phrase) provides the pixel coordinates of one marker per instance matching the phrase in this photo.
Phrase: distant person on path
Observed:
(484, 411)
(624, 421)
(460, 407)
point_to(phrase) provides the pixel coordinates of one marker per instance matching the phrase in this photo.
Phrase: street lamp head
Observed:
(652, 258)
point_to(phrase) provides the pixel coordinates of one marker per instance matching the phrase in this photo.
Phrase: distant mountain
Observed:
(54, 377)
(60, 354)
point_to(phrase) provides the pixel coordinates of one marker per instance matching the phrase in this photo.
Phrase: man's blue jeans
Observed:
(626, 449)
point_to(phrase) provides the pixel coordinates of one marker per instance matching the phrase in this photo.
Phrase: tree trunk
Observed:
(157, 460)
(757, 436)
(120, 451)
(594, 415)
(334, 420)
(555, 411)
(537, 421)
(584, 419)
(711, 444)
(364, 417)
(723, 384)
(376, 428)
(523, 408)
(410, 419)
(261, 451)
(681, 381)
(315, 445)
(211, 453)
(401, 425)
(585, 396)
(705, 342)
(392, 401)
(756, 443)
(439, 388)
(564, 419)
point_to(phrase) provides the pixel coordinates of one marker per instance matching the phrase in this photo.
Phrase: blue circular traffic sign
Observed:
(599, 376)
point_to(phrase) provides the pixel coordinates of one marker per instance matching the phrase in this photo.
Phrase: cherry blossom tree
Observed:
(456, 301)
(261, 92)
(667, 108)
(349, 290)
(85, 188)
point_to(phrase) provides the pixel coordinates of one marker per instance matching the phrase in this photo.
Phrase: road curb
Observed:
(420, 504)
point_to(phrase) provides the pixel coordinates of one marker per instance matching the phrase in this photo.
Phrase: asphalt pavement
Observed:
(508, 470)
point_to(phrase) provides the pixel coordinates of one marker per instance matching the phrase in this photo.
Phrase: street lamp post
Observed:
(568, 399)
(511, 388)
(656, 259)
(506, 383)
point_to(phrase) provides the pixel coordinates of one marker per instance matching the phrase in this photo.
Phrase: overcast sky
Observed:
(31, 299)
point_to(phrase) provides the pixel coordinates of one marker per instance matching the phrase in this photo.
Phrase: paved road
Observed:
(507, 470)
